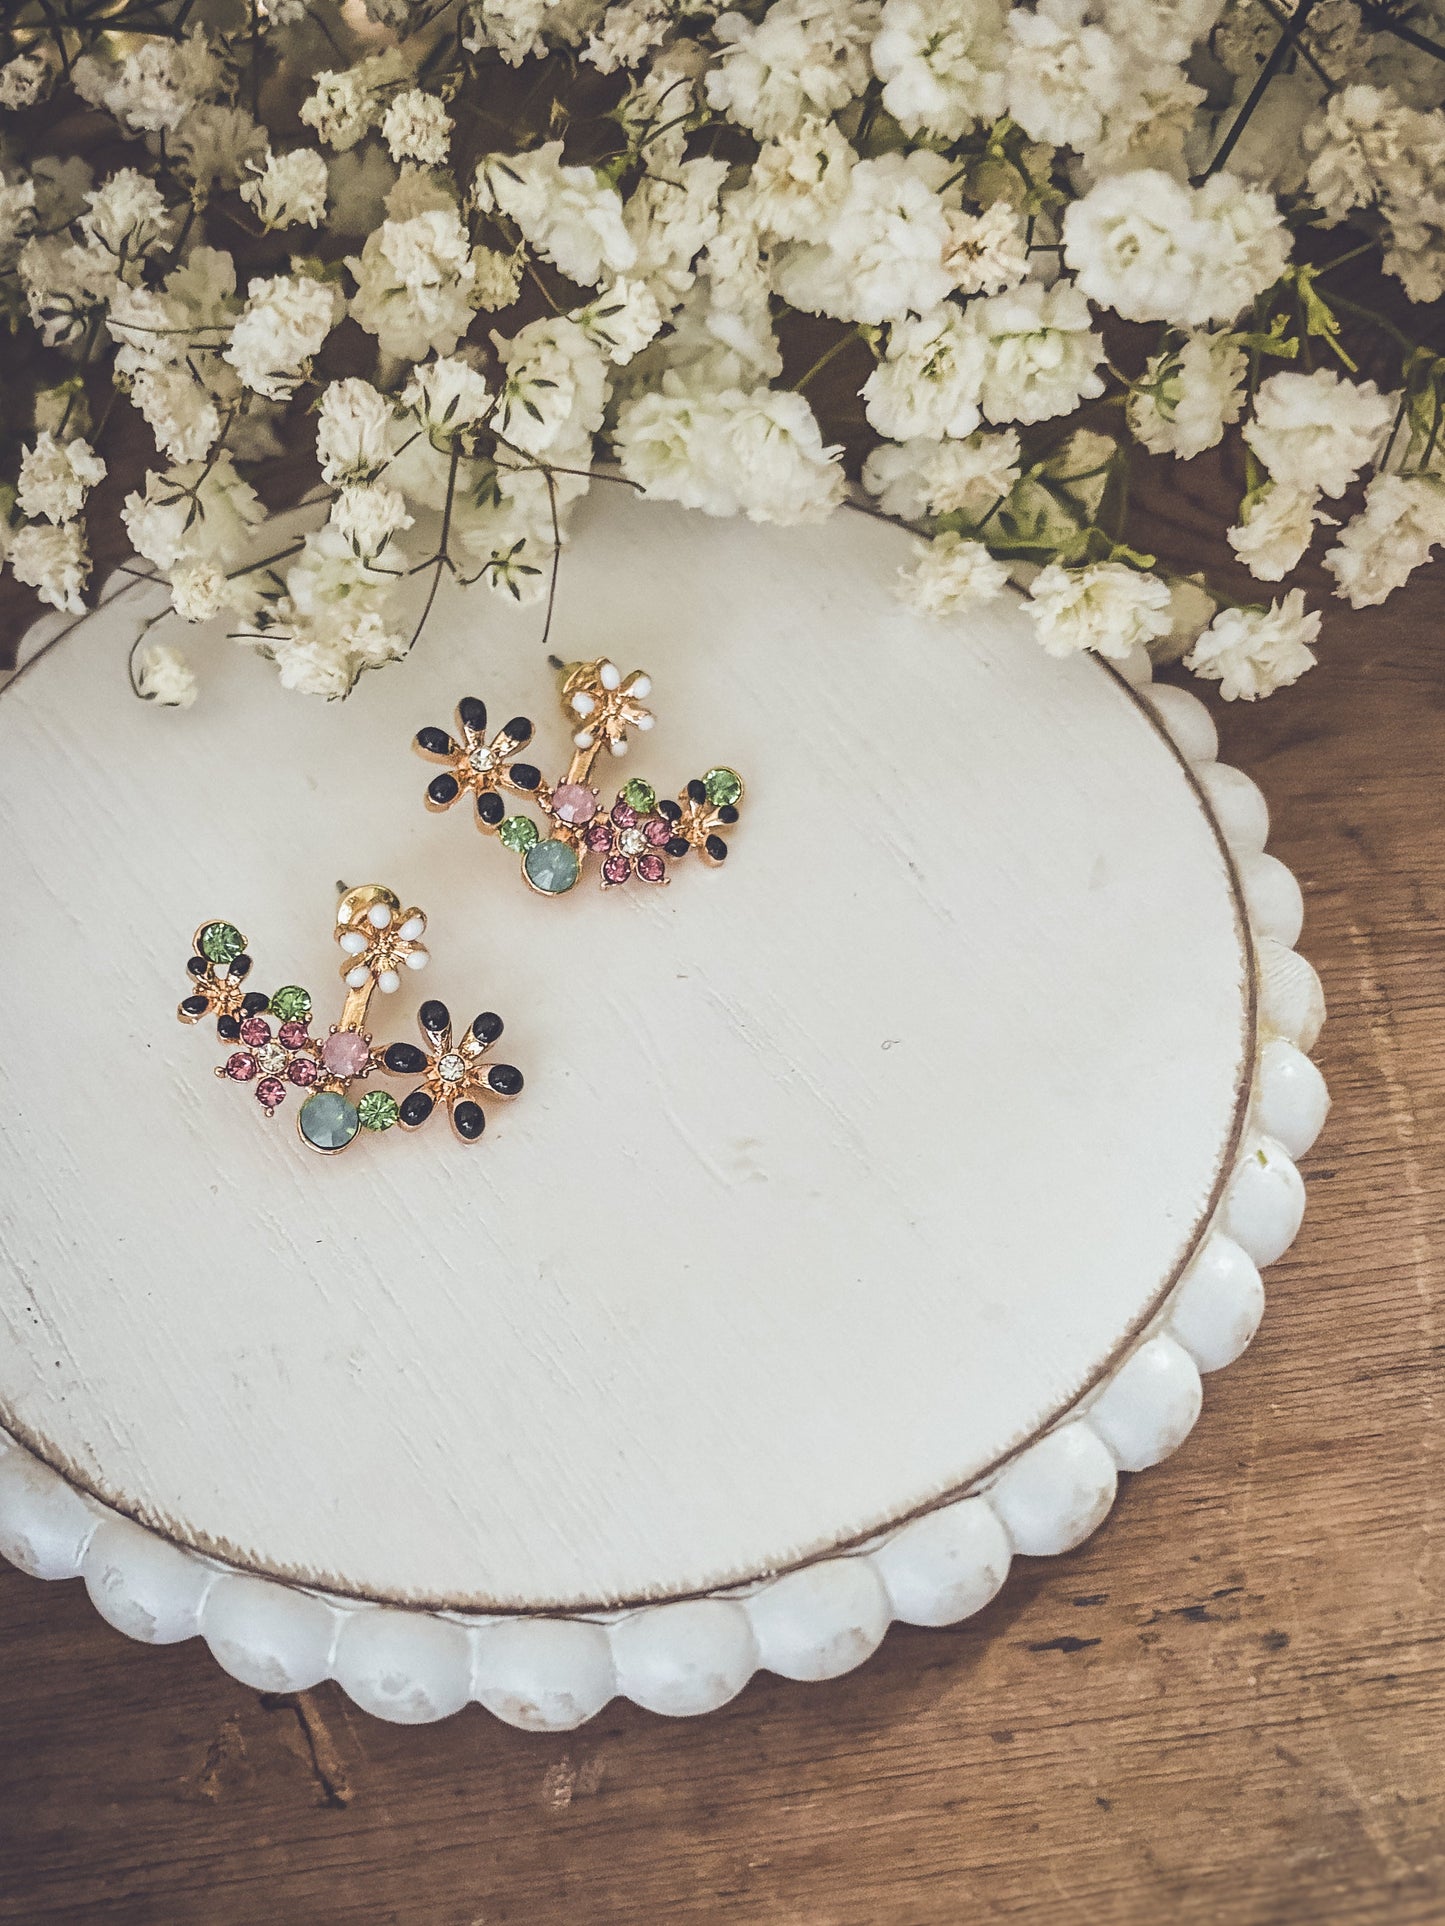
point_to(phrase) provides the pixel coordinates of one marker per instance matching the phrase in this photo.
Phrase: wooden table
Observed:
(1240, 1721)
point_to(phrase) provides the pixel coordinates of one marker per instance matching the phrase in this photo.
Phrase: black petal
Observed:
(716, 848)
(505, 1079)
(442, 790)
(434, 1016)
(487, 1027)
(435, 742)
(678, 846)
(227, 1028)
(195, 1006)
(669, 809)
(198, 966)
(525, 775)
(469, 1120)
(240, 967)
(254, 1003)
(727, 814)
(519, 729)
(415, 1109)
(490, 807)
(697, 790)
(405, 1059)
(472, 714)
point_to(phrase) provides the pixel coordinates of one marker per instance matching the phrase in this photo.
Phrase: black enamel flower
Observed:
(475, 766)
(453, 1074)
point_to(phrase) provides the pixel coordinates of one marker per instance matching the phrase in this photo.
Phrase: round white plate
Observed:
(844, 1176)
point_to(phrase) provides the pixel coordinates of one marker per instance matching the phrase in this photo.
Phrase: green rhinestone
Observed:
(641, 796)
(291, 1003)
(222, 942)
(377, 1110)
(723, 787)
(552, 867)
(518, 832)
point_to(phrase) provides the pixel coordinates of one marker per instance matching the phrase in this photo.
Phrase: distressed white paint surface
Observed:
(838, 1174)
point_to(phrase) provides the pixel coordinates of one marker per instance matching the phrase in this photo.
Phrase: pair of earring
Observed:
(639, 836)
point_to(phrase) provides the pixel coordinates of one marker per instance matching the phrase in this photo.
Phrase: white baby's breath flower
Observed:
(346, 103)
(164, 676)
(1188, 395)
(1154, 249)
(447, 396)
(1275, 530)
(193, 512)
(180, 413)
(1106, 607)
(621, 320)
(950, 573)
(414, 281)
(496, 279)
(201, 590)
(55, 478)
(1063, 74)
(922, 477)
(126, 217)
(941, 62)
(54, 561)
(801, 57)
(367, 515)
(626, 33)
(929, 382)
(417, 127)
(1252, 652)
(1317, 431)
(555, 386)
(569, 215)
(670, 220)
(987, 252)
(729, 452)
(882, 254)
(284, 323)
(798, 181)
(287, 189)
(1402, 521)
(353, 424)
(25, 78)
(1041, 356)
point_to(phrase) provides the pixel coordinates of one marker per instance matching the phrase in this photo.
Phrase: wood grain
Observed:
(1225, 1708)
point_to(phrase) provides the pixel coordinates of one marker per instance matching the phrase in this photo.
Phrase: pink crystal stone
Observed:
(657, 830)
(346, 1053)
(240, 1068)
(269, 1092)
(651, 868)
(574, 802)
(255, 1031)
(302, 1070)
(617, 869)
(598, 837)
(294, 1034)
(623, 814)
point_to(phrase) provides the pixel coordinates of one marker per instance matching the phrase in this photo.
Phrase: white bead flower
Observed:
(388, 942)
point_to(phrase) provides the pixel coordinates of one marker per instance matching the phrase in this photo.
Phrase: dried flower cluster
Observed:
(955, 257)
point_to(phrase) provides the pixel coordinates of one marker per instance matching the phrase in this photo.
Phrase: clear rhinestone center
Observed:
(451, 1069)
(632, 842)
(482, 760)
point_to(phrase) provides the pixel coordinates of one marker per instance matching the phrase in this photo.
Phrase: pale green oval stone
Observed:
(518, 832)
(222, 942)
(291, 1003)
(723, 787)
(328, 1121)
(551, 866)
(378, 1110)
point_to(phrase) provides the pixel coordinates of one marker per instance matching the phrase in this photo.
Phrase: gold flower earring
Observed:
(275, 1052)
(638, 836)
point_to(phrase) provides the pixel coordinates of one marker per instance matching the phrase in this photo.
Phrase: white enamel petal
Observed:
(379, 916)
(388, 981)
(356, 979)
(412, 928)
(609, 675)
(640, 686)
(418, 959)
(583, 703)
(353, 942)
